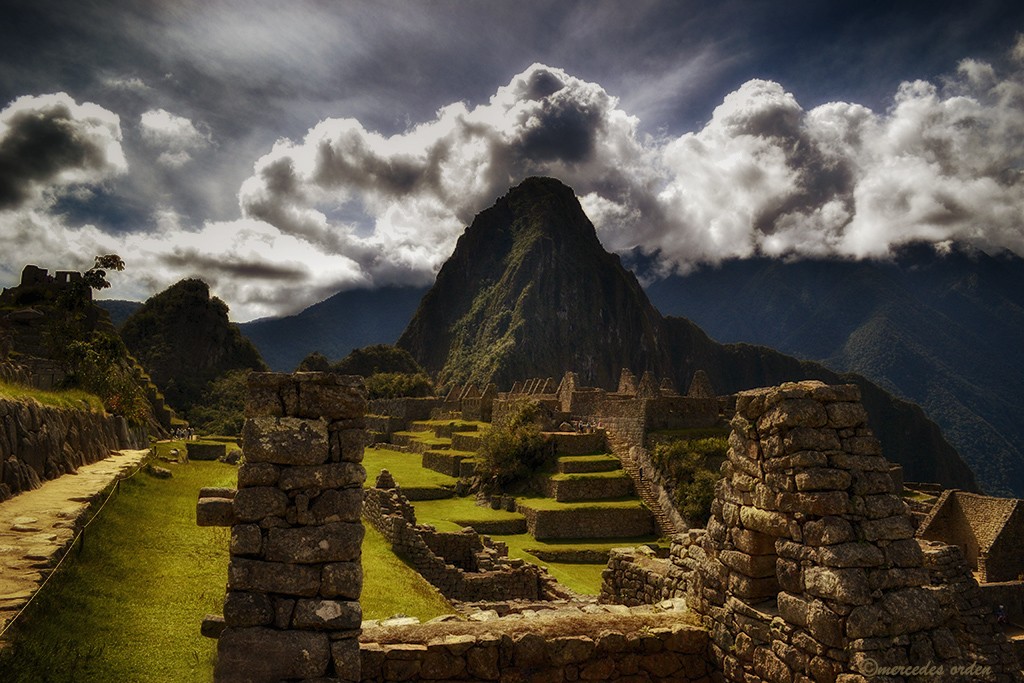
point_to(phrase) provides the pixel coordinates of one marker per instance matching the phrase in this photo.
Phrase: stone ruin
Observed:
(988, 530)
(809, 569)
(464, 566)
(292, 610)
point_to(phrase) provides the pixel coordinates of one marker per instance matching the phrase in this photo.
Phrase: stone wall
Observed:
(405, 409)
(292, 610)
(574, 490)
(597, 522)
(463, 566)
(637, 576)
(987, 529)
(809, 568)
(40, 442)
(677, 653)
(679, 412)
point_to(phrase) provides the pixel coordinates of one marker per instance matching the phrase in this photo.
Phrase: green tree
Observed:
(691, 465)
(514, 448)
(96, 277)
(99, 365)
(370, 360)
(396, 384)
(222, 407)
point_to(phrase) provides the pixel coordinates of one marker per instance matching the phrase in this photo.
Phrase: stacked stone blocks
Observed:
(808, 569)
(292, 610)
(463, 566)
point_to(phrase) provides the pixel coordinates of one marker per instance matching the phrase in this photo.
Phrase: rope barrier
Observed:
(80, 537)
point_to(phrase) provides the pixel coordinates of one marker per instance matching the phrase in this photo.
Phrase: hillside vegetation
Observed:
(942, 329)
(183, 339)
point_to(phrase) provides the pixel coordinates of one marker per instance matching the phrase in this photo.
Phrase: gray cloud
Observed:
(763, 176)
(52, 141)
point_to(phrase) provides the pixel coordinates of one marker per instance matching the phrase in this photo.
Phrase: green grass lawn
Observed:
(406, 468)
(572, 476)
(444, 514)
(391, 587)
(582, 578)
(540, 503)
(129, 605)
(427, 438)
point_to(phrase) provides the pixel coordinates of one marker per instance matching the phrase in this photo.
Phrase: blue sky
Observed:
(284, 151)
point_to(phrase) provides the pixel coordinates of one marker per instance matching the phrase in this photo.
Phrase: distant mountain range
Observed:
(944, 329)
(335, 326)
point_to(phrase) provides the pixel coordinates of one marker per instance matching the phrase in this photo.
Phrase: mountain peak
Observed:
(530, 288)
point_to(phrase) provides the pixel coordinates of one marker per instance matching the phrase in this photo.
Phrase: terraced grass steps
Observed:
(416, 482)
(578, 443)
(550, 519)
(420, 442)
(571, 488)
(456, 513)
(603, 462)
(466, 441)
(593, 551)
(450, 462)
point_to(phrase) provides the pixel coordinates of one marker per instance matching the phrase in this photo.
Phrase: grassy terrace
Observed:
(69, 398)
(404, 467)
(424, 437)
(611, 474)
(539, 503)
(129, 605)
(452, 514)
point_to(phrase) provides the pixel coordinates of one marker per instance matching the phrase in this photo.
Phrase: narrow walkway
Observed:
(37, 527)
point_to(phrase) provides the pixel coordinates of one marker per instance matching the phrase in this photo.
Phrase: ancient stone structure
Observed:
(809, 569)
(464, 566)
(989, 531)
(292, 610)
(38, 282)
(637, 576)
(40, 442)
(512, 650)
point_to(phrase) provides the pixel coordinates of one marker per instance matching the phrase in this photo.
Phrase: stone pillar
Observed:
(292, 610)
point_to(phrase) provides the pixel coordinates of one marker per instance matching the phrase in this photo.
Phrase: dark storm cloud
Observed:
(630, 119)
(51, 140)
(185, 259)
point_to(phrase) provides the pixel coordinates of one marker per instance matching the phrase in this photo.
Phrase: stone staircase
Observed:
(644, 488)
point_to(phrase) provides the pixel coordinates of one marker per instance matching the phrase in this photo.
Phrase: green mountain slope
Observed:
(183, 339)
(941, 329)
(529, 291)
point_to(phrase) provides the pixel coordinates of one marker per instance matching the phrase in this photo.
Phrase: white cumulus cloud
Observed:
(176, 135)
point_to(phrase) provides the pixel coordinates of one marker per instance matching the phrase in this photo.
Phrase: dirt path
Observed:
(37, 527)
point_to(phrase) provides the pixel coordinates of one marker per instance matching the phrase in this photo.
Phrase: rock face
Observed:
(530, 292)
(40, 442)
(183, 338)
